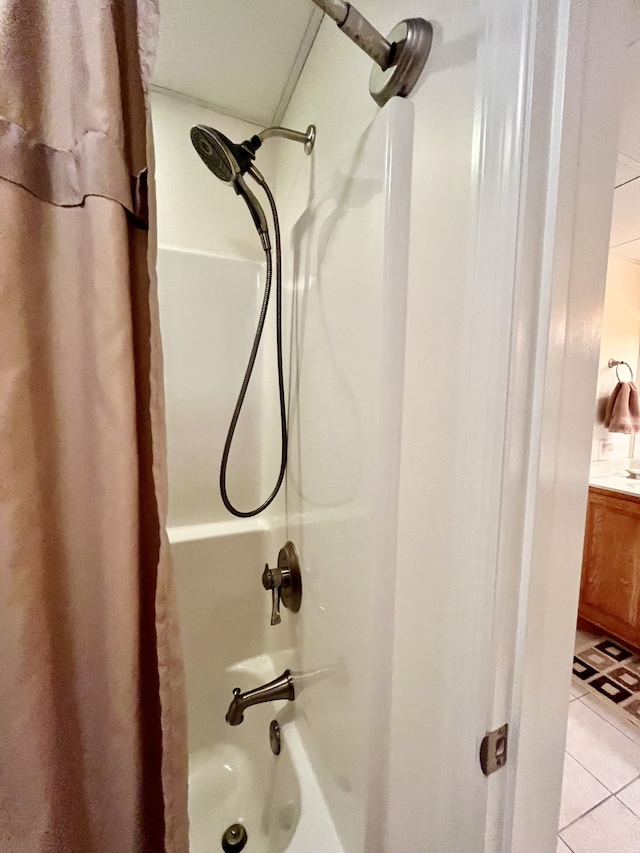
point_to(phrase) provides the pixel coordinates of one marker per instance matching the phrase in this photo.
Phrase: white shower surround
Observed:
(233, 776)
(345, 291)
(473, 109)
(347, 235)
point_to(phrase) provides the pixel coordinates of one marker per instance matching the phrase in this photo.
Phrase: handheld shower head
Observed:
(223, 157)
(230, 162)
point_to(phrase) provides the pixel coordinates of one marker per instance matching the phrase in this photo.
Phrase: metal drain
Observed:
(234, 839)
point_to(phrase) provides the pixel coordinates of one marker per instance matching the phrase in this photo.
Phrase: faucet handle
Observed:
(284, 581)
(272, 580)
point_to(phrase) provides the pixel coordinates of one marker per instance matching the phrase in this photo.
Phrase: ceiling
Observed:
(241, 57)
(625, 224)
(244, 57)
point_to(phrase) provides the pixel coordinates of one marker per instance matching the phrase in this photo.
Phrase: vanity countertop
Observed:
(617, 483)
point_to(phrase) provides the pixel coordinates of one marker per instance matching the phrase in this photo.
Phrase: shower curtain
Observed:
(92, 722)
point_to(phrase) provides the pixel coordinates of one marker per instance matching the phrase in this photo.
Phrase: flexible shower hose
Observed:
(252, 360)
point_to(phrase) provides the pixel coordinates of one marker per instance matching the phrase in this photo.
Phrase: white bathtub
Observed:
(228, 642)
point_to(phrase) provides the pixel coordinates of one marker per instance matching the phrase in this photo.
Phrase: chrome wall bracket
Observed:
(400, 58)
(285, 582)
(411, 40)
(613, 362)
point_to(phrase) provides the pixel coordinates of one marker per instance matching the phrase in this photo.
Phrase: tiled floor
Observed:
(600, 811)
(608, 669)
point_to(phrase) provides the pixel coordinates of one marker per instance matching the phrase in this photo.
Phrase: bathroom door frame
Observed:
(567, 168)
(490, 601)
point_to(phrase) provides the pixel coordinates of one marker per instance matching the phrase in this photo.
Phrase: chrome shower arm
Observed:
(336, 9)
(359, 30)
(283, 132)
(308, 139)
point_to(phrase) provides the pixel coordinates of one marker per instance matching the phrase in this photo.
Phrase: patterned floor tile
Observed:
(607, 669)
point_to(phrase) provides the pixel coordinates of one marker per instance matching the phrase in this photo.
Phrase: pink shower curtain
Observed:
(92, 734)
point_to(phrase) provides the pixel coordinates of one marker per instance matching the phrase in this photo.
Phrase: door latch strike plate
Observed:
(493, 750)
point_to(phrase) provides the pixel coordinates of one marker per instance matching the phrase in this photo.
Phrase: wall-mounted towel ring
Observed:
(616, 364)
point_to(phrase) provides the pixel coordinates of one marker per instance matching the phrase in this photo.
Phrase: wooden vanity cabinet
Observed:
(610, 587)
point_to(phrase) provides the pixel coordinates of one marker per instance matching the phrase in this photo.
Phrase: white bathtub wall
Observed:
(224, 615)
(196, 211)
(210, 278)
(211, 275)
(348, 250)
(208, 309)
(431, 689)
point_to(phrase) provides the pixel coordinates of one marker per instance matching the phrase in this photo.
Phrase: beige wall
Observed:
(620, 340)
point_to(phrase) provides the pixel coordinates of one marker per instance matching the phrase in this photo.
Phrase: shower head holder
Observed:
(229, 160)
(308, 138)
(411, 41)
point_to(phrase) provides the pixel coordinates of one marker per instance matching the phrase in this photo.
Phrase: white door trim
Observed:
(563, 242)
(491, 526)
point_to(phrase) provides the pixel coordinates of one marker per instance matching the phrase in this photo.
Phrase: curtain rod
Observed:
(359, 30)
(399, 58)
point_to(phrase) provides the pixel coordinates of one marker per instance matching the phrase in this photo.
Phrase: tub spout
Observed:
(279, 688)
